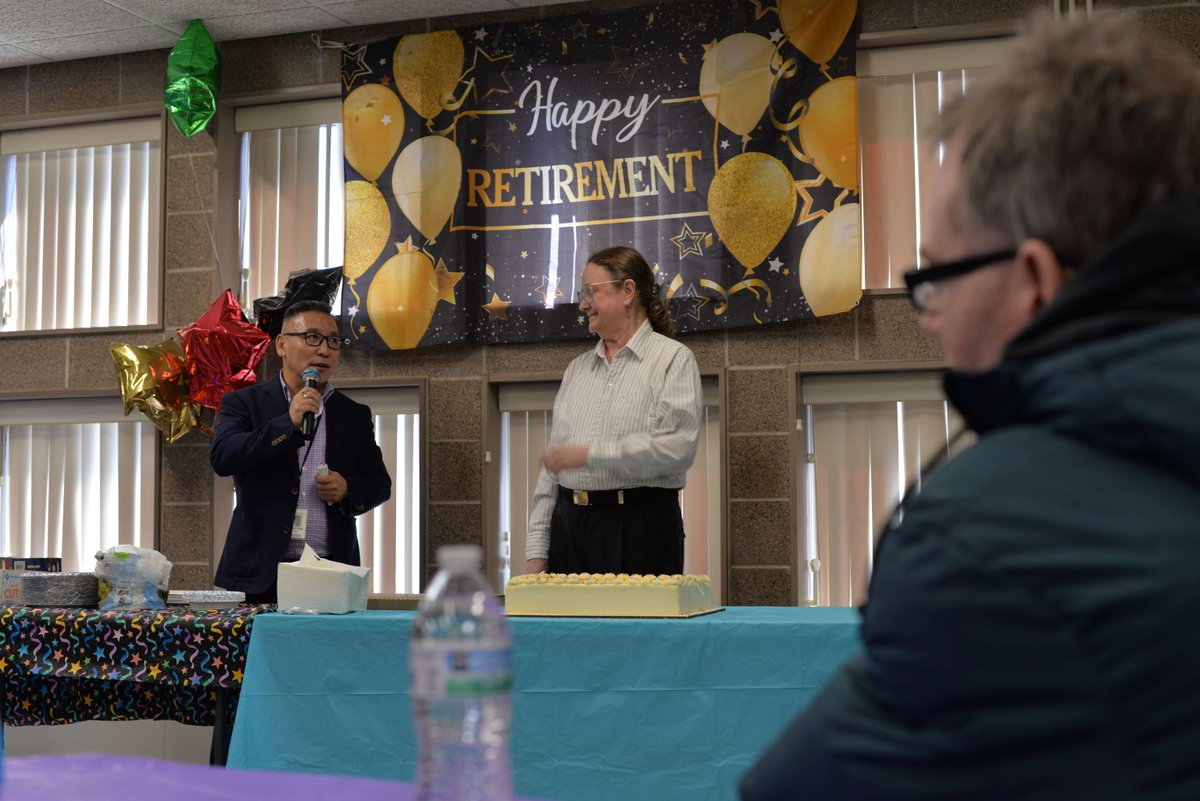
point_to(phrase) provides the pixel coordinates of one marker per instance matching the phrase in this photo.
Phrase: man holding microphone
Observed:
(303, 457)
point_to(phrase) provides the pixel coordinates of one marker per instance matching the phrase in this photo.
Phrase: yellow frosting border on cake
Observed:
(634, 595)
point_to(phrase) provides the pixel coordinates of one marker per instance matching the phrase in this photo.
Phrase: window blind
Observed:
(71, 489)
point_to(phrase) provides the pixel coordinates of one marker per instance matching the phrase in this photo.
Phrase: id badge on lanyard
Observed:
(299, 523)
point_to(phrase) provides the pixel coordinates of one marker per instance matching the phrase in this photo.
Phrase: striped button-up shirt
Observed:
(639, 417)
(310, 457)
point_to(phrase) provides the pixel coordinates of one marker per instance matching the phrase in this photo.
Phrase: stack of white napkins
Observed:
(318, 585)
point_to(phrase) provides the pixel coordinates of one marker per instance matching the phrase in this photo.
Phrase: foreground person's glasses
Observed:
(922, 284)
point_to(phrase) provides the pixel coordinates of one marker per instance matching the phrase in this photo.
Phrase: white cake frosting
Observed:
(607, 595)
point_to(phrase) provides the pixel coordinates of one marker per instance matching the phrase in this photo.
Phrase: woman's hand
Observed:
(535, 566)
(565, 457)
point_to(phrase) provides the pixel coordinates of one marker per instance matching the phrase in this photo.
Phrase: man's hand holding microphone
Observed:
(331, 486)
(306, 403)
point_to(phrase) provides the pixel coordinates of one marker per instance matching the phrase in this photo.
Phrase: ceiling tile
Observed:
(16, 57)
(207, 10)
(367, 12)
(106, 43)
(271, 23)
(28, 20)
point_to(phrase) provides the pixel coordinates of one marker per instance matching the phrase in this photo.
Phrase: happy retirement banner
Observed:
(484, 165)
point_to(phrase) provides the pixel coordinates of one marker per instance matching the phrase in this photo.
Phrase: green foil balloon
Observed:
(193, 80)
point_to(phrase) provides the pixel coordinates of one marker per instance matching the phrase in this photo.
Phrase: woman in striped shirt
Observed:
(626, 427)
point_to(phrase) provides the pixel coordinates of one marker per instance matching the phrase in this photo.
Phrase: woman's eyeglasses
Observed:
(314, 339)
(589, 290)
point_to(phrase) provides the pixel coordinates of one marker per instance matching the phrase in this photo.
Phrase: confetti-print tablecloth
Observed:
(68, 665)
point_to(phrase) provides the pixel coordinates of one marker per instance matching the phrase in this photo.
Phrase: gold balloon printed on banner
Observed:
(368, 225)
(817, 28)
(751, 202)
(736, 80)
(427, 67)
(830, 266)
(425, 182)
(827, 127)
(372, 125)
(828, 132)
(402, 297)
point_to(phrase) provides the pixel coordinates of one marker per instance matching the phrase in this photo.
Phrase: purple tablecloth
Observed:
(101, 777)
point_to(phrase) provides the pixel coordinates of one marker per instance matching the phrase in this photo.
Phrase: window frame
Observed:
(103, 408)
(803, 583)
(58, 128)
(879, 59)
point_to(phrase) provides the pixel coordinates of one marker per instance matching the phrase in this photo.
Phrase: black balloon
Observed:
(319, 285)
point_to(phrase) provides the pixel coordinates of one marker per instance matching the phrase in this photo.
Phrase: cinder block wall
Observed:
(758, 362)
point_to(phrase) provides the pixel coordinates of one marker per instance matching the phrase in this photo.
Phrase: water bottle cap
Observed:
(459, 556)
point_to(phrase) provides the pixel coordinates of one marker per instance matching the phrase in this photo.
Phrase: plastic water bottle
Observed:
(459, 660)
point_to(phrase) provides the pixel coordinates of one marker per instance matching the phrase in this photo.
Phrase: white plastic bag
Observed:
(132, 578)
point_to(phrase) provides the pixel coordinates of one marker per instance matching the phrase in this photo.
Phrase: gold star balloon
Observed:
(154, 379)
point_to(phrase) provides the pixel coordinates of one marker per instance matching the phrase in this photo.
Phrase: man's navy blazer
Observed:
(257, 444)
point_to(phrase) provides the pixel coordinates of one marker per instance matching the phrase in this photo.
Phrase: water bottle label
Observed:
(449, 671)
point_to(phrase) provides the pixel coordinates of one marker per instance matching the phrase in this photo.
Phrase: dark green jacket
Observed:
(1033, 624)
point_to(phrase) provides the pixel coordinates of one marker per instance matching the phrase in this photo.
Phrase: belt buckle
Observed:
(620, 497)
(579, 497)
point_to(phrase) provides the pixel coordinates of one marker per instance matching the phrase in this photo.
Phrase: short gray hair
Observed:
(1083, 125)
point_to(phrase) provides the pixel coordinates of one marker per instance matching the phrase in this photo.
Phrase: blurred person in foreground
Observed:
(284, 499)
(626, 428)
(1031, 624)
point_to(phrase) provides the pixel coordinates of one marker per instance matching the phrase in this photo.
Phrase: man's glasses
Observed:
(589, 290)
(314, 339)
(922, 284)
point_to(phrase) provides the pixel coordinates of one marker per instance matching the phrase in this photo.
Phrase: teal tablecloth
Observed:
(635, 710)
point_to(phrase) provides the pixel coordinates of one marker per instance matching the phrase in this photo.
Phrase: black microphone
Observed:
(308, 426)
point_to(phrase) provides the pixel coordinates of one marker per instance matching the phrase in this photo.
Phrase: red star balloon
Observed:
(154, 379)
(222, 351)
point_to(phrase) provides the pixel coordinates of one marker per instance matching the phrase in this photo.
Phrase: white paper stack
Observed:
(320, 586)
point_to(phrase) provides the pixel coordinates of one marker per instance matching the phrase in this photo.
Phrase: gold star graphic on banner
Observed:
(355, 65)
(578, 29)
(688, 242)
(446, 282)
(547, 289)
(626, 71)
(479, 51)
(497, 309)
(694, 302)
